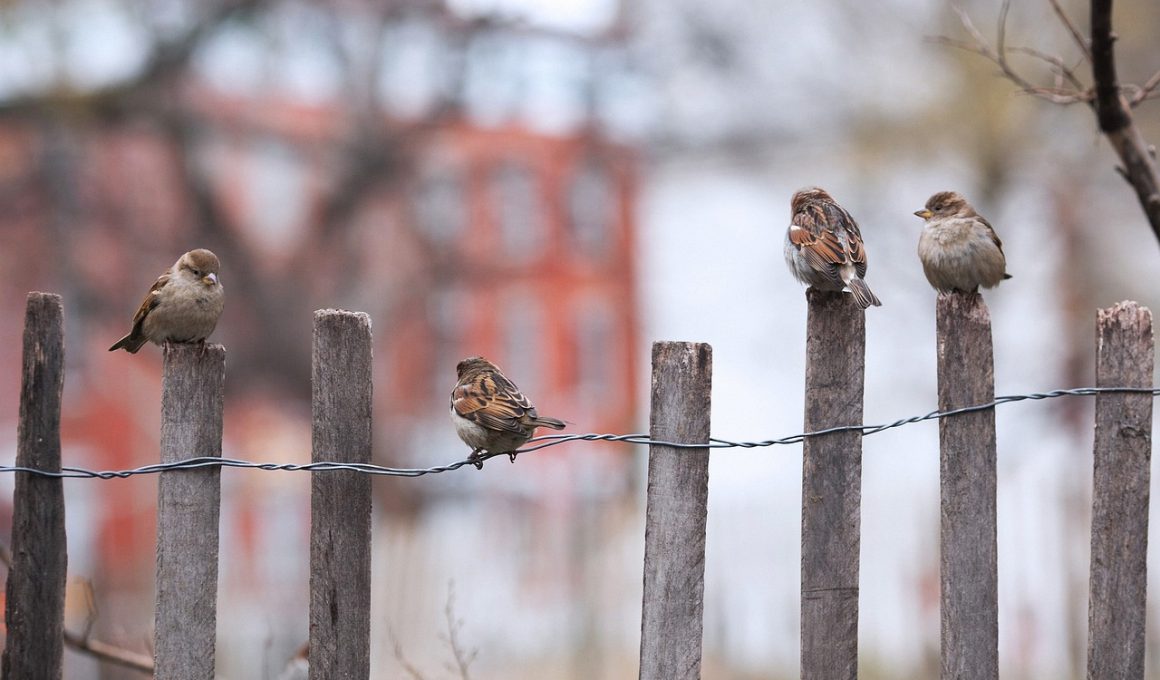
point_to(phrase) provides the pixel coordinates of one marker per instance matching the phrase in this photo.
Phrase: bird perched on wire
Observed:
(182, 306)
(490, 413)
(958, 247)
(824, 248)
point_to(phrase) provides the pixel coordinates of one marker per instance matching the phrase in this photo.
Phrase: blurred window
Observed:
(596, 354)
(518, 210)
(441, 205)
(591, 207)
(524, 342)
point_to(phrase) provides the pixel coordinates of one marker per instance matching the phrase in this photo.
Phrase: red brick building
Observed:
(492, 239)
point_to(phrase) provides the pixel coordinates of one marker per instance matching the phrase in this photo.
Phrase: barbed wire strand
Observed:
(546, 441)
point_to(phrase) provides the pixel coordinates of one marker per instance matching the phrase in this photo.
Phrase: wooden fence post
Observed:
(340, 501)
(188, 505)
(969, 593)
(34, 610)
(678, 492)
(831, 486)
(1123, 457)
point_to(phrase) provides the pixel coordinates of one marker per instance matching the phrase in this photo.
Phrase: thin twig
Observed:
(1147, 90)
(998, 56)
(1057, 63)
(110, 653)
(1076, 36)
(102, 651)
(404, 663)
(462, 660)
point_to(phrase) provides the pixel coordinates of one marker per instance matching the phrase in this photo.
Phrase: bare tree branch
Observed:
(101, 651)
(998, 55)
(112, 654)
(1106, 97)
(1062, 70)
(402, 659)
(1076, 36)
(166, 60)
(1115, 117)
(462, 658)
(1112, 115)
(1147, 90)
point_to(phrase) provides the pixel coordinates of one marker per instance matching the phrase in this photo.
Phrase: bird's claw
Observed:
(475, 459)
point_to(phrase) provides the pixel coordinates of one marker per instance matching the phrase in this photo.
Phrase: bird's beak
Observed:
(209, 279)
(924, 213)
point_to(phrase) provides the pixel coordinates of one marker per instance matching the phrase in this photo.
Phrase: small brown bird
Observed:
(182, 306)
(489, 411)
(824, 248)
(958, 247)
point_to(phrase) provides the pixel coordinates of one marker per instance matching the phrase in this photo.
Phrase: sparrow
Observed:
(182, 306)
(958, 247)
(490, 413)
(823, 246)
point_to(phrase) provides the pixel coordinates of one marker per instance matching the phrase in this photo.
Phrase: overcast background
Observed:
(731, 106)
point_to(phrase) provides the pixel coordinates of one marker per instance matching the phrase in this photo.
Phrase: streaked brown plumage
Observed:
(959, 249)
(490, 413)
(182, 306)
(823, 246)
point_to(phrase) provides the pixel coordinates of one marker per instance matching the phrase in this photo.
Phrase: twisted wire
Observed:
(546, 441)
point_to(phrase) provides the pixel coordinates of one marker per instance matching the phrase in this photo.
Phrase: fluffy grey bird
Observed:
(182, 306)
(958, 248)
(490, 413)
(824, 248)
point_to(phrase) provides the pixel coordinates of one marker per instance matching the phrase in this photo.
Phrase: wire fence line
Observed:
(546, 441)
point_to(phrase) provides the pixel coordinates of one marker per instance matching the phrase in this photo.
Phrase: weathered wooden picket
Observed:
(676, 510)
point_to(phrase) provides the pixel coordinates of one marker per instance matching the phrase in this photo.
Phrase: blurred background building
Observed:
(554, 185)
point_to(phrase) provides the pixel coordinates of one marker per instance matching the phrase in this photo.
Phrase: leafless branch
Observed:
(1146, 91)
(462, 658)
(95, 648)
(402, 659)
(998, 56)
(165, 61)
(1106, 96)
(109, 653)
(1115, 117)
(1076, 36)
(1062, 70)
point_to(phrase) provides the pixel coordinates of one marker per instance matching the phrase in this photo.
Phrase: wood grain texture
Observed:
(188, 507)
(969, 551)
(1123, 457)
(832, 486)
(678, 493)
(34, 609)
(340, 501)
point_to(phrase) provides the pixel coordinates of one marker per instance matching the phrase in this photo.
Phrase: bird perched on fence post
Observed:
(490, 413)
(182, 306)
(959, 249)
(823, 246)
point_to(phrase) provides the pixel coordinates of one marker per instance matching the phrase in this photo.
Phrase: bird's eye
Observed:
(196, 272)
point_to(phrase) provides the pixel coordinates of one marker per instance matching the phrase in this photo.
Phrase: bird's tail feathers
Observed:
(862, 293)
(553, 423)
(129, 343)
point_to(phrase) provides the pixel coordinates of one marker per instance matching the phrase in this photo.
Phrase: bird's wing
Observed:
(152, 299)
(492, 401)
(855, 250)
(821, 248)
(991, 231)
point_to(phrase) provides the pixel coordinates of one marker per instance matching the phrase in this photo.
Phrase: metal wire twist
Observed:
(546, 441)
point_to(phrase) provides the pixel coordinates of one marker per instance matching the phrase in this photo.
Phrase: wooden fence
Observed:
(676, 510)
